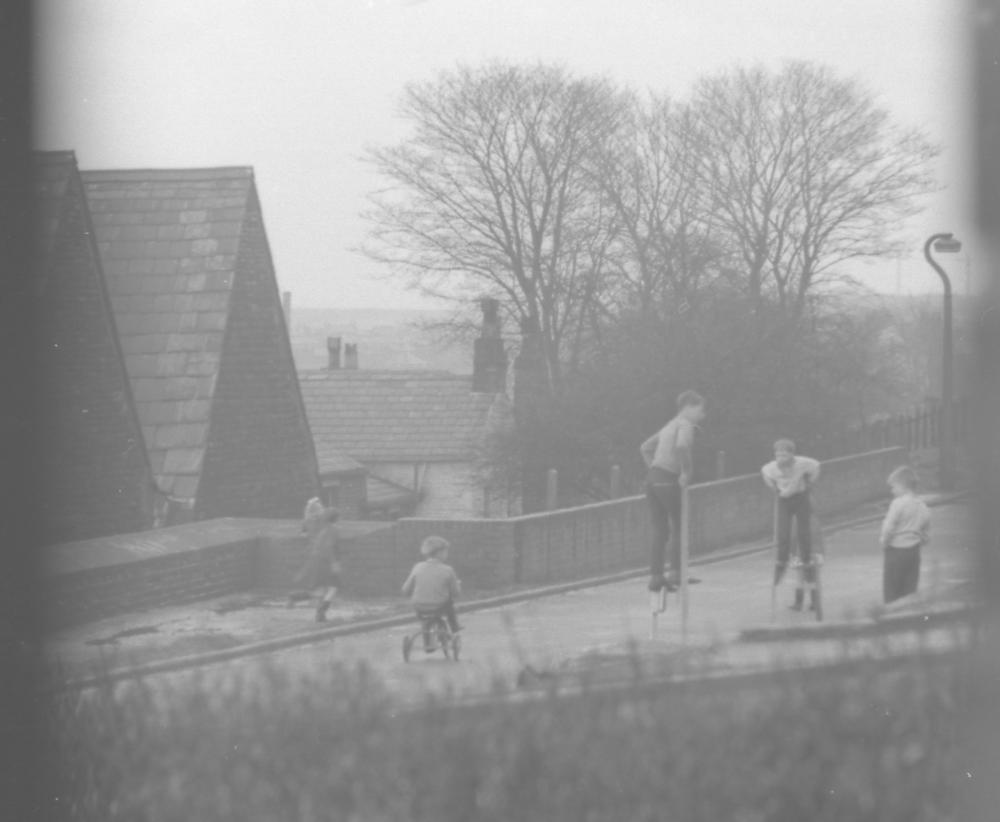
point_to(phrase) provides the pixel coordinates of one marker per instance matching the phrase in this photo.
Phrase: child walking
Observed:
(905, 530)
(792, 477)
(433, 584)
(322, 566)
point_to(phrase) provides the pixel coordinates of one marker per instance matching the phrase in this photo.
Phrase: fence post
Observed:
(551, 490)
(616, 481)
(720, 465)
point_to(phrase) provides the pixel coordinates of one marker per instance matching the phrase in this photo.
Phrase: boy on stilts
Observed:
(791, 477)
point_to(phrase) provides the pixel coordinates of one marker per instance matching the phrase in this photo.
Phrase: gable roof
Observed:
(168, 241)
(395, 416)
(51, 175)
(94, 474)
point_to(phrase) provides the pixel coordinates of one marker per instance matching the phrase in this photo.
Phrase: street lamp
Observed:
(944, 244)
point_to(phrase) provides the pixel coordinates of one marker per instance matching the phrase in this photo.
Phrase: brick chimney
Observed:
(351, 357)
(530, 393)
(333, 350)
(489, 360)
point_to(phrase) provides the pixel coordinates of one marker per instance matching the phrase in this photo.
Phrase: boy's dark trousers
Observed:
(797, 507)
(901, 573)
(665, 495)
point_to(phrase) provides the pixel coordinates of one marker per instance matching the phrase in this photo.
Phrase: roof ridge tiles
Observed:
(168, 174)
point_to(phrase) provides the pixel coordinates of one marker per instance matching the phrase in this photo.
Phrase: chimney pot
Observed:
(489, 360)
(333, 350)
(351, 357)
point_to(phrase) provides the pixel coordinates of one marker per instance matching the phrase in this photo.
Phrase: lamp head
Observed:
(947, 244)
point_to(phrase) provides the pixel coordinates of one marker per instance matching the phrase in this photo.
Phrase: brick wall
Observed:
(742, 508)
(483, 551)
(93, 474)
(579, 542)
(92, 579)
(260, 460)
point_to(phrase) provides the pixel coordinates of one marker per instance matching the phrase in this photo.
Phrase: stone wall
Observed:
(742, 508)
(92, 579)
(199, 560)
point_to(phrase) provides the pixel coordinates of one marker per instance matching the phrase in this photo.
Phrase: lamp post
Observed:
(944, 244)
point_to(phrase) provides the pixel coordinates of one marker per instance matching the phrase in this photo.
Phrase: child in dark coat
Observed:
(322, 566)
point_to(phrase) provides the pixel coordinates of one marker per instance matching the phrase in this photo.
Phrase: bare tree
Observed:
(805, 172)
(489, 196)
(667, 243)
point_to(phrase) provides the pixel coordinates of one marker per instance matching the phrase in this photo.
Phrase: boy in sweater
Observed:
(905, 530)
(433, 585)
(792, 477)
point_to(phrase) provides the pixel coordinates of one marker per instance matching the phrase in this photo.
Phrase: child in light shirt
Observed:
(905, 530)
(792, 477)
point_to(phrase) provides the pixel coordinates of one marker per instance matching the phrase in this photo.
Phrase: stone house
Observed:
(419, 434)
(93, 474)
(206, 349)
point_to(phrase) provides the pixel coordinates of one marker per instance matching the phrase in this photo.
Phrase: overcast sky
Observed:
(298, 88)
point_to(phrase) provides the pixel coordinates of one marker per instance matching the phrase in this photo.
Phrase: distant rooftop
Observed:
(394, 416)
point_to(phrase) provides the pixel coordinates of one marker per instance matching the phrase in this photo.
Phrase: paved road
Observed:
(551, 632)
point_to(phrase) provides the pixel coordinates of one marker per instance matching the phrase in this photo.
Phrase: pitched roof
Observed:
(395, 416)
(51, 175)
(168, 241)
(94, 472)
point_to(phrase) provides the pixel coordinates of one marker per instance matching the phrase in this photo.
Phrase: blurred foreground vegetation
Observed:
(874, 743)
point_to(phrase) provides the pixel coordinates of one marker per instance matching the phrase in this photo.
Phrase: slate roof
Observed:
(51, 174)
(395, 416)
(168, 241)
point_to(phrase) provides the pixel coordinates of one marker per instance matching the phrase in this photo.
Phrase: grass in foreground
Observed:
(875, 744)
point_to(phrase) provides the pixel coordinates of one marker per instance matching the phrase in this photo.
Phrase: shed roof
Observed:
(168, 240)
(395, 416)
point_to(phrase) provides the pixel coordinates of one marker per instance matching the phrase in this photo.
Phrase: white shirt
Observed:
(793, 479)
(907, 523)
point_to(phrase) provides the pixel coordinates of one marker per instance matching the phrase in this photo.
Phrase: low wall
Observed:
(88, 580)
(735, 510)
(97, 578)
(579, 542)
